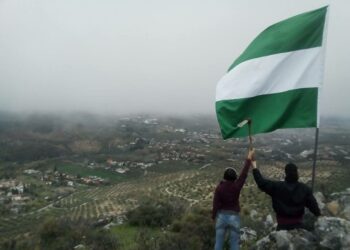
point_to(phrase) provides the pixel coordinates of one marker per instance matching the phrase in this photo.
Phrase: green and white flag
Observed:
(276, 81)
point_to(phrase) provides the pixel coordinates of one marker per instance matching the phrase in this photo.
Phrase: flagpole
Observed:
(314, 161)
(250, 134)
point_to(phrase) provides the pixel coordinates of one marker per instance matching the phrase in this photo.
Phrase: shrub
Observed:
(146, 241)
(156, 213)
(101, 240)
(64, 234)
(193, 231)
(58, 234)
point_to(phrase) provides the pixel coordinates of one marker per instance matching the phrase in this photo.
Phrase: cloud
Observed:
(137, 56)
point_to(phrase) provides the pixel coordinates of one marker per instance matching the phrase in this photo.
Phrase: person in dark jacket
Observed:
(226, 205)
(289, 197)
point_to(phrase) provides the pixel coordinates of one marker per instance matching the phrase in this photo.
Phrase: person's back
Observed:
(227, 192)
(289, 197)
(226, 205)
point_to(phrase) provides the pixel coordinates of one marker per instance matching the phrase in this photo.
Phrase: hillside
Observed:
(98, 170)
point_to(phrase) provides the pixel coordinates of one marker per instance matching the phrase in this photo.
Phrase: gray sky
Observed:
(126, 56)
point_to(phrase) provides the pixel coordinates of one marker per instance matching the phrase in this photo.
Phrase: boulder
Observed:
(333, 207)
(320, 200)
(309, 220)
(248, 234)
(346, 213)
(253, 214)
(324, 232)
(340, 204)
(79, 247)
(109, 225)
(269, 223)
(298, 239)
(344, 201)
(333, 232)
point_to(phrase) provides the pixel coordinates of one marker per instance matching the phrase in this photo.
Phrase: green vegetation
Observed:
(156, 213)
(61, 234)
(83, 171)
(163, 199)
(130, 236)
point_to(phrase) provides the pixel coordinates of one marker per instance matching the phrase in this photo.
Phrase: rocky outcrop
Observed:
(331, 231)
(320, 200)
(254, 214)
(269, 223)
(333, 207)
(247, 234)
(340, 204)
(287, 240)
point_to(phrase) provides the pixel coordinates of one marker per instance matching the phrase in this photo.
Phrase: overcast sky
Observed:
(121, 56)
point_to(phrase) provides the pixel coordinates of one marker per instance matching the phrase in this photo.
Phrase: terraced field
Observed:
(195, 186)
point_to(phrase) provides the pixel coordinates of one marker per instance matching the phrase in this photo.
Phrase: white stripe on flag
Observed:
(273, 74)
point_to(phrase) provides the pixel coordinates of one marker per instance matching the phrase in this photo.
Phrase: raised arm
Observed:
(265, 185)
(244, 172)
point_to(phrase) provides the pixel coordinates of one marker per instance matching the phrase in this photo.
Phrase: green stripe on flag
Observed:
(299, 32)
(291, 109)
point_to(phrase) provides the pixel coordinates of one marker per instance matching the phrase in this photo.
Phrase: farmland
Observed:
(106, 175)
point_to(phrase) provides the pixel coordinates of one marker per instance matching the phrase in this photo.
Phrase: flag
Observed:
(276, 81)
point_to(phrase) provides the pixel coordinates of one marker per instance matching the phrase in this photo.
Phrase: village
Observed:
(164, 146)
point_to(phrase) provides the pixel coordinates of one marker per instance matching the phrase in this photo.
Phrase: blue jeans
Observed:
(226, 222)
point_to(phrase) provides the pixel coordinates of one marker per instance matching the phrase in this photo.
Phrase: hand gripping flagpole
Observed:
(249, 122)
(250, 134)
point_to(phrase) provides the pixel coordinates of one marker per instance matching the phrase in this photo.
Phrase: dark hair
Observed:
(291, 171)
(230, 174)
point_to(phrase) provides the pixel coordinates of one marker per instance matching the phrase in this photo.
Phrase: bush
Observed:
(64, 234)
(156, 213)
(193, 231)
(58, 234)
(101, 240)
(176, 241)
(146, 240)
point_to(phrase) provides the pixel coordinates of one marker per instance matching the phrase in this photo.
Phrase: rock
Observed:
(320, 200)
(340, 204)
(253, 214)
(309, 220)
(333, 207)
(109, 225)
(282, 239)
(287, 240)
(327, 232)
(304, 239)
(80, 247)
(101, 222)
(248, 234)
(344, 201)
(120, 219)
(263, 244)
(346, 213)
(333, 233)
(269, 221)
